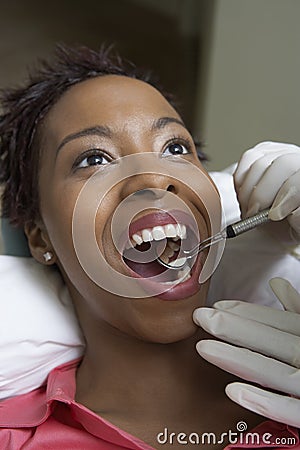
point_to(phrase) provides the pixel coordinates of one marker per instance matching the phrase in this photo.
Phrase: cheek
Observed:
(57, 207)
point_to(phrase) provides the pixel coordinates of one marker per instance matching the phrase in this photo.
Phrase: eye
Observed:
(90, 158)
(176, 148)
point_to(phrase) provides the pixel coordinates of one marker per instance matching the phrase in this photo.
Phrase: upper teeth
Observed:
(157, 233)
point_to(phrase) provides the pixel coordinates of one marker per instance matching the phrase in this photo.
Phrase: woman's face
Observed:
(87, 132)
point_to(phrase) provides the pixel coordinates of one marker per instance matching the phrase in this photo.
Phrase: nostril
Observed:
(154, 192)
(141, 192)
(171, 188)
(151, 193)
(148, 193)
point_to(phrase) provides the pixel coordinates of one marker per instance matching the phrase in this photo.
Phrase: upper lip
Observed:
(159, 218)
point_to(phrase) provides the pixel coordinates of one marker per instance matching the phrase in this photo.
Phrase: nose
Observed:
(148, 186)
(153, 194)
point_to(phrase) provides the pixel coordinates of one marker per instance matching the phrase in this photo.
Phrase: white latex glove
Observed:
(270, 353)
(269, 175)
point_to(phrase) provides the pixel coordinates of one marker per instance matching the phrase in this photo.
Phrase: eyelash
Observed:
(90, 152)
(97, 152)
(180, 141)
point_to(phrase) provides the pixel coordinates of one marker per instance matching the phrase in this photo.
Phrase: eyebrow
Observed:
(99, 130)
(164, 121)
(102, 130)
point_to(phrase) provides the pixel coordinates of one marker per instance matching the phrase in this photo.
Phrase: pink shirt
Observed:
(49, 418)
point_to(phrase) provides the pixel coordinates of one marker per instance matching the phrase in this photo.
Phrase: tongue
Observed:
(146, 270)
(149, 269)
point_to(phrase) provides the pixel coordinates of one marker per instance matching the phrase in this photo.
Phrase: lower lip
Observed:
(179, 291)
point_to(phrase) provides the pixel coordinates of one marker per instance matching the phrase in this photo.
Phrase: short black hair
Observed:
(24, 108)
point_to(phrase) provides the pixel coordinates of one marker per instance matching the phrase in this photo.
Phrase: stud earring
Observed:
(47, 256)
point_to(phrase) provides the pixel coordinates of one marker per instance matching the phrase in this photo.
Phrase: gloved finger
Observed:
(294, 221)
(251, 155)
(283, 168)
(287, 199)
(281, 320)
(286, 294)
(251, 179)
(251, 366)
(250, 334)
(277, 407)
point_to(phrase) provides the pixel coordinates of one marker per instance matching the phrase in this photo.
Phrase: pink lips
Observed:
(161, 218)
(177, 292)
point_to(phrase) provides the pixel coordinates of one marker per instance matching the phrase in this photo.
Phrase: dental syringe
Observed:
(229, 232)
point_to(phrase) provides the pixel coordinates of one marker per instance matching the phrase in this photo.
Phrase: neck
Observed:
(143, 386)
(122, 373)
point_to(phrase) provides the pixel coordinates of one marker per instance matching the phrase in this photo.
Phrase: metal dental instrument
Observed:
(229, 232)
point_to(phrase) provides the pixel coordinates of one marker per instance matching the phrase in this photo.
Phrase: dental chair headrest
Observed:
(14, 240)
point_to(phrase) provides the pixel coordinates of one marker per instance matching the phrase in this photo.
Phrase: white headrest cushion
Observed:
(38, 325)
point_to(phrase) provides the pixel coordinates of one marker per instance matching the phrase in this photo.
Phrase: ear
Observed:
(39, 242)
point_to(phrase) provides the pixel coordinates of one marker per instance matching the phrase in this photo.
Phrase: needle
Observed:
(230, 231)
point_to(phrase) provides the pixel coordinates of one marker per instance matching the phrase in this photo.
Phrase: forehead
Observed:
(107, 99)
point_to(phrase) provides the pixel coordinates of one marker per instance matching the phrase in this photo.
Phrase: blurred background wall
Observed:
(233, 64)
(251, 91)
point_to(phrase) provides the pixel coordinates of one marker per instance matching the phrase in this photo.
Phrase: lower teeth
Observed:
(178, 262)
(182, 275)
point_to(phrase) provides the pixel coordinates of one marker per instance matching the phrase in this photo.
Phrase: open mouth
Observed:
(165, 241)
(166, 236)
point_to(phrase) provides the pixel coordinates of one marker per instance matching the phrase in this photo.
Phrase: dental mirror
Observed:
(229, 232)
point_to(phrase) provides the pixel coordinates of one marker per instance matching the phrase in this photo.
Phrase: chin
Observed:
(177, 336)
(165, 322)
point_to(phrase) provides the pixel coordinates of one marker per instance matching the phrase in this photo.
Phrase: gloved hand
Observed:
(270, 353)
(269, 174)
